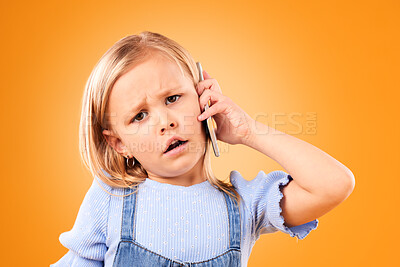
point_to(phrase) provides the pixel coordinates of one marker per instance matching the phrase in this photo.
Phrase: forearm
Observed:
(311, 168)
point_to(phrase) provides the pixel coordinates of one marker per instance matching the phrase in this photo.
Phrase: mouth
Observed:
(175, 147)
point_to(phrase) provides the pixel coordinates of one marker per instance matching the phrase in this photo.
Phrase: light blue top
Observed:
(186, 223)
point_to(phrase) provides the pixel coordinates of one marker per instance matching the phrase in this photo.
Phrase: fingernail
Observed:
(200, 117)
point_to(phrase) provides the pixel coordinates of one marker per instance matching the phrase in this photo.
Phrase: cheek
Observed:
(194, 101)
(197, 107)
(140, 145)
(189, 120)
(194, 106)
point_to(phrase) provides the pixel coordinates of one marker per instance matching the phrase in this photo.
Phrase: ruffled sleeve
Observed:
(263, 195)
(86, 240)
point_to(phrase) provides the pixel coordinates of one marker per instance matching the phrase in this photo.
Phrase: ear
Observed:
(114, 142)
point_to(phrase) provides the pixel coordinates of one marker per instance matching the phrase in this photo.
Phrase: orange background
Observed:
(336, 59)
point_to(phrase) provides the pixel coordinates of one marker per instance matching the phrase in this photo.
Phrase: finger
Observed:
(214, 109)
(211, 96)
(210, 83)
(206, 75)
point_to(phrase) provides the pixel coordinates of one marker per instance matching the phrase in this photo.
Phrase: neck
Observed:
(195, 176)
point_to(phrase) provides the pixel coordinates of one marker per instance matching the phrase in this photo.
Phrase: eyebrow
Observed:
(162, 94)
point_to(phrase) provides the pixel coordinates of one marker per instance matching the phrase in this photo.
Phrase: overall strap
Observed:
(128, 212)
(234, 222)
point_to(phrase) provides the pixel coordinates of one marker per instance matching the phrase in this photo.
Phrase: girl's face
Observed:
(148, 105)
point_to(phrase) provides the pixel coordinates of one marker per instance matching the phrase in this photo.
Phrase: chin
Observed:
(182, 165)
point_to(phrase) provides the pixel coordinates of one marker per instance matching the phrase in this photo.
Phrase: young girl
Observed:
(154, 200)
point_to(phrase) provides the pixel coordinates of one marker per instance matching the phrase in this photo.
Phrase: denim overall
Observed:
(130, 253)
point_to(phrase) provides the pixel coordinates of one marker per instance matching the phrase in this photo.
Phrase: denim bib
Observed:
(130, 253)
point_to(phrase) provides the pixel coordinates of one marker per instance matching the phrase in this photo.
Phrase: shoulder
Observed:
(95, 204)
(263, 195)
(100, 188)
(262, 182)
(87, 238)
(251, 191)
(235, 176)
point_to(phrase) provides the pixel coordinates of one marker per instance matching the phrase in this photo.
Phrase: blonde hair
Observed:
(97, 155)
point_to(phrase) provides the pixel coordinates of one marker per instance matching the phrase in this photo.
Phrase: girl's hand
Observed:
(233, 124)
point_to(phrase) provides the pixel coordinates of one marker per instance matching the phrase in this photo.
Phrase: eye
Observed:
(172, 97)
(138, 117)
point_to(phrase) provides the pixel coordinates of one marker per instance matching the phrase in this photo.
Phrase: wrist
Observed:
(250, 139)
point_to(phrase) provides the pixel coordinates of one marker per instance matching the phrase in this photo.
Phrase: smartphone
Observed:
(209, 123)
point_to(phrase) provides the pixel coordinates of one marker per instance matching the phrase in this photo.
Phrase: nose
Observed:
(171, 125)
(166, 122)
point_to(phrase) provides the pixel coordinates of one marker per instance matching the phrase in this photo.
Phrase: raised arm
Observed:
(320, 182)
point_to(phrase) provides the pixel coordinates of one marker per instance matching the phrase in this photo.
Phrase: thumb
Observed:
(206, 75)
